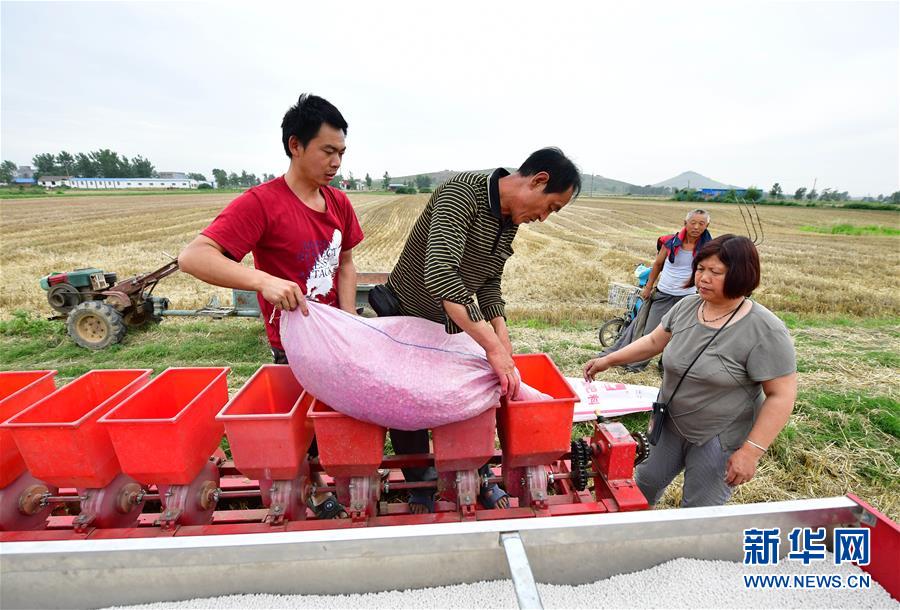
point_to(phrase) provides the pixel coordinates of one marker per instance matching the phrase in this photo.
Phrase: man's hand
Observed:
(742, 465)
(502, 363)
(594, 366)
(645, 293)
(283, 294)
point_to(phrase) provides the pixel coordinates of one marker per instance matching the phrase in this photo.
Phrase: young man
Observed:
(455, 254)
(300, 230)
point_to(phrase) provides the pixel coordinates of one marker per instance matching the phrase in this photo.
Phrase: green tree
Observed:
(44, 164)
(197, 177)
(812, 195)
(423, 182)
(233, 179)
(386, 181)
(66, 162)
(753, 194)
(107, 162)
(729, 196)
(799, 193)
(895, 198)
(687, 194)
(352, 182)
(7, 171)
(368, 181)
(85, 166)
(221, 178)
(126, 170)
(142, 168)
(336, 181)
(775, 191)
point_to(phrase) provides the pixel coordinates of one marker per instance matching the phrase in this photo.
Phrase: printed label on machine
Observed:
(610, 399)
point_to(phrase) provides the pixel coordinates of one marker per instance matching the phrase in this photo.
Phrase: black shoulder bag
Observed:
(384, 301)
(661, 409)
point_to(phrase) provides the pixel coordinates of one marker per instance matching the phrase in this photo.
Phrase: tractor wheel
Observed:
(610, 331)
(63, 297)
(95, 325)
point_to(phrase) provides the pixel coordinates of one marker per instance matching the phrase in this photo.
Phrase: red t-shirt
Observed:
(289, 240)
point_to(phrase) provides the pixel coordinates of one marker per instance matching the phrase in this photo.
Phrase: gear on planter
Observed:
(643, 447)
(581, 463)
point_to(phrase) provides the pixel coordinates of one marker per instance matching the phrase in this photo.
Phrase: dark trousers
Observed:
(646, 321)
(413, 441)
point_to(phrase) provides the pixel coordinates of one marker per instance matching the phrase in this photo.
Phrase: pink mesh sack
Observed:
(399, 372)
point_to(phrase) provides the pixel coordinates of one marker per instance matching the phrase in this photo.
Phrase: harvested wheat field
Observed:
(560, 271)
(836, 292)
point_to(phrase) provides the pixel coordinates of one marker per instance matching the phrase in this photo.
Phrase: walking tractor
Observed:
(99, 309)
(114, 490)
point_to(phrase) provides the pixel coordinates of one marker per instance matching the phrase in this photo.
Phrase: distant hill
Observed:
(589, 183)
(695, 181)
(442, 176)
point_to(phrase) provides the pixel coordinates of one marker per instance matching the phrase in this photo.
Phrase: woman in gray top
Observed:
(738, 395)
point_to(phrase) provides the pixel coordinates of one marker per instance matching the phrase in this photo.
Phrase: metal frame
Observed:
(560, 550)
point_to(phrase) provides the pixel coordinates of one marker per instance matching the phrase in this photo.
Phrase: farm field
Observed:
(836, 292)
(560, 271)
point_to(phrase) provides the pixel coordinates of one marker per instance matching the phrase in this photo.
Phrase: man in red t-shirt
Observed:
(300, 230)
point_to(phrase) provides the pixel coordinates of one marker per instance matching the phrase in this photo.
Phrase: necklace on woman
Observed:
(703, 310)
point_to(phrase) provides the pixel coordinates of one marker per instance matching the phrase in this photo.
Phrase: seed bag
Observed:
(399, 372)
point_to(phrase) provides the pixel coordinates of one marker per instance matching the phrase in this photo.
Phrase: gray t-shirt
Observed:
(722, 393)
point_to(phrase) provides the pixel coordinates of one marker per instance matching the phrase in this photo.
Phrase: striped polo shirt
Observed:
(456, 251)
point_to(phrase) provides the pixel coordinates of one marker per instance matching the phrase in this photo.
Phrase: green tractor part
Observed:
(66, 290)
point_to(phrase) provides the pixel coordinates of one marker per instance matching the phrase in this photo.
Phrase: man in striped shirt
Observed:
(451, 267)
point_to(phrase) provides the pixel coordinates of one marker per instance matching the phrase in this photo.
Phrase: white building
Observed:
(132, 183)
(51, 182)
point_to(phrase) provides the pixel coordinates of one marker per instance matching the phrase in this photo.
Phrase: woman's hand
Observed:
(741, 465)
(594, 366)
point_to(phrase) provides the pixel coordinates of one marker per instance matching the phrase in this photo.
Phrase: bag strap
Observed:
(697, 357)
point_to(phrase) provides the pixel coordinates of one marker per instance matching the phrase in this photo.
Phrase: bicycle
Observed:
(629, 297)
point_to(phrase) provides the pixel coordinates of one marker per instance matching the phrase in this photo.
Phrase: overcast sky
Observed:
(747, 93)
